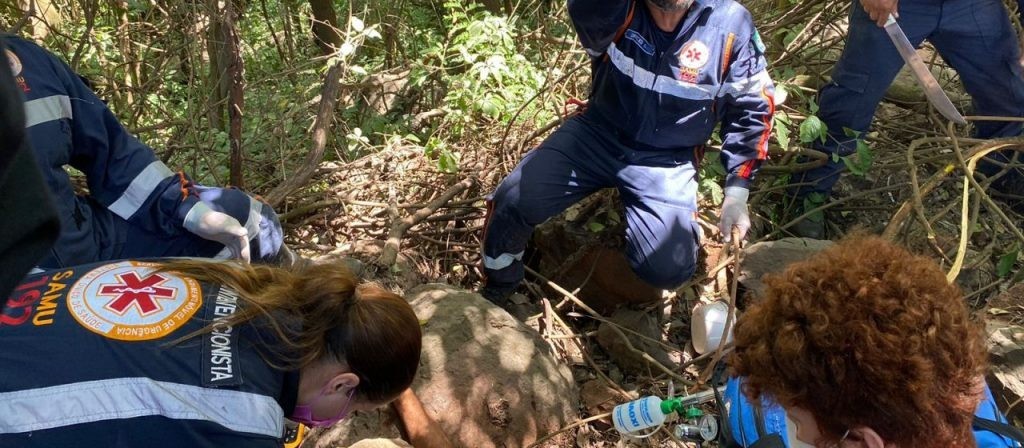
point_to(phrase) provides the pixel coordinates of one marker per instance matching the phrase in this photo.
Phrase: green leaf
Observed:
(711, 187)
(811, 202)
(813, 129)
(613, 217)
(860, 162)
(782, 135)
(1006, 263)
(447, 162)
(595, 226)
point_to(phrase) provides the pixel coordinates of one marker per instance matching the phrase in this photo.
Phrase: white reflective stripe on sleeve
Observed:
(252, 225)
(594, 53)
(658, 83)
(140, 189)
(503, 261)
(47, 109)
(122, 398)
(750, 86)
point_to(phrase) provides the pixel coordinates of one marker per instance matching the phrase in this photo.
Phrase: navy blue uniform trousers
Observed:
(658, 189)
(973, 36)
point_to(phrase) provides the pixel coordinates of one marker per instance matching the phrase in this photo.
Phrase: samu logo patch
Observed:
(129, 301)
(639, 40)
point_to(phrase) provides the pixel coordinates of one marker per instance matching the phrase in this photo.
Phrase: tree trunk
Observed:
(227, 79)
(131, 76)
(236, 98)
(325, 26)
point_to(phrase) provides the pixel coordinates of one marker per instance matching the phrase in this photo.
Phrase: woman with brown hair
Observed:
(862, 345)
(197, 354)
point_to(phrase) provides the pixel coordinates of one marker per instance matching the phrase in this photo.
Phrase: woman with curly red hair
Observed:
(862, 345)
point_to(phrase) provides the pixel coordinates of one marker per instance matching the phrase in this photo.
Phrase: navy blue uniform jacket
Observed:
(669, 90)
(87, 362)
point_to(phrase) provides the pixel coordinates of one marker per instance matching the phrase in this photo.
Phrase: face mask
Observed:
(797, 443)
(304, 412)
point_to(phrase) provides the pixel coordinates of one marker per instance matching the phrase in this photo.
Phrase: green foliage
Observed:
(813, 129)
(1007, 261)
(447, 161)
(155, 73)
(811, 202)
(608, 217)
(712, 177)
(781, 123)
(485, 69)
(859, 162)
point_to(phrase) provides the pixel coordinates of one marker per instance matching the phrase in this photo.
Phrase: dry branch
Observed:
(389, 254)
(329, 94)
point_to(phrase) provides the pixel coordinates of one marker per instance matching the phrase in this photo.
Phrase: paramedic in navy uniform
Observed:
(665, 74)
(196, 354)
(136, 206)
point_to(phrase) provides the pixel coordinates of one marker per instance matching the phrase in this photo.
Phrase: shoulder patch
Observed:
(694, 55)
(128, 301)
(639, 40)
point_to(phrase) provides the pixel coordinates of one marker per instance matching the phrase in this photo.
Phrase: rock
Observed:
(360, 426)
(488, 380)
(381, 443)
(773, 256)
(1006, 376)
(629, 360)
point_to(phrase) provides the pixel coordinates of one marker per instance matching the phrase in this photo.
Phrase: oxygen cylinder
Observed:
(647, 412)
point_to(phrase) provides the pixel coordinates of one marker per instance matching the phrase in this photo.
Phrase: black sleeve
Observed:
(30, 225)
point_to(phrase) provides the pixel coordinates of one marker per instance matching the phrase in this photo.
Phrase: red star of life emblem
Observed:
(693, 54)
(140, 293)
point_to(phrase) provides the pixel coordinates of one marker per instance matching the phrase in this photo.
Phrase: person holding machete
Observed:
(974, 37)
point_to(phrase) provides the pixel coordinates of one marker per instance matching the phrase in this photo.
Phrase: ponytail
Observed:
(322, 312)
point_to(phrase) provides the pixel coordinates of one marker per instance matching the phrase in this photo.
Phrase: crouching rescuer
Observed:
(198, 354)
(665, 73)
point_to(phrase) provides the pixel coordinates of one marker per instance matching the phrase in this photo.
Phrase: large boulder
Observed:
(381, 443)
(487, 379)
(774, 256)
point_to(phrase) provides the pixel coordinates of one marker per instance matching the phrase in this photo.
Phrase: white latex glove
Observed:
(220, 227)
(734, 213)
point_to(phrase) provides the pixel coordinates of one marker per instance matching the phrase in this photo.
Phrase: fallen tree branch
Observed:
(329, 95)
(389, 254)
(629, 345)
(567, 428)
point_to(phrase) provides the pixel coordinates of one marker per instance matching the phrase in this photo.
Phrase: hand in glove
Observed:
(734, 213)
(220, 227)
